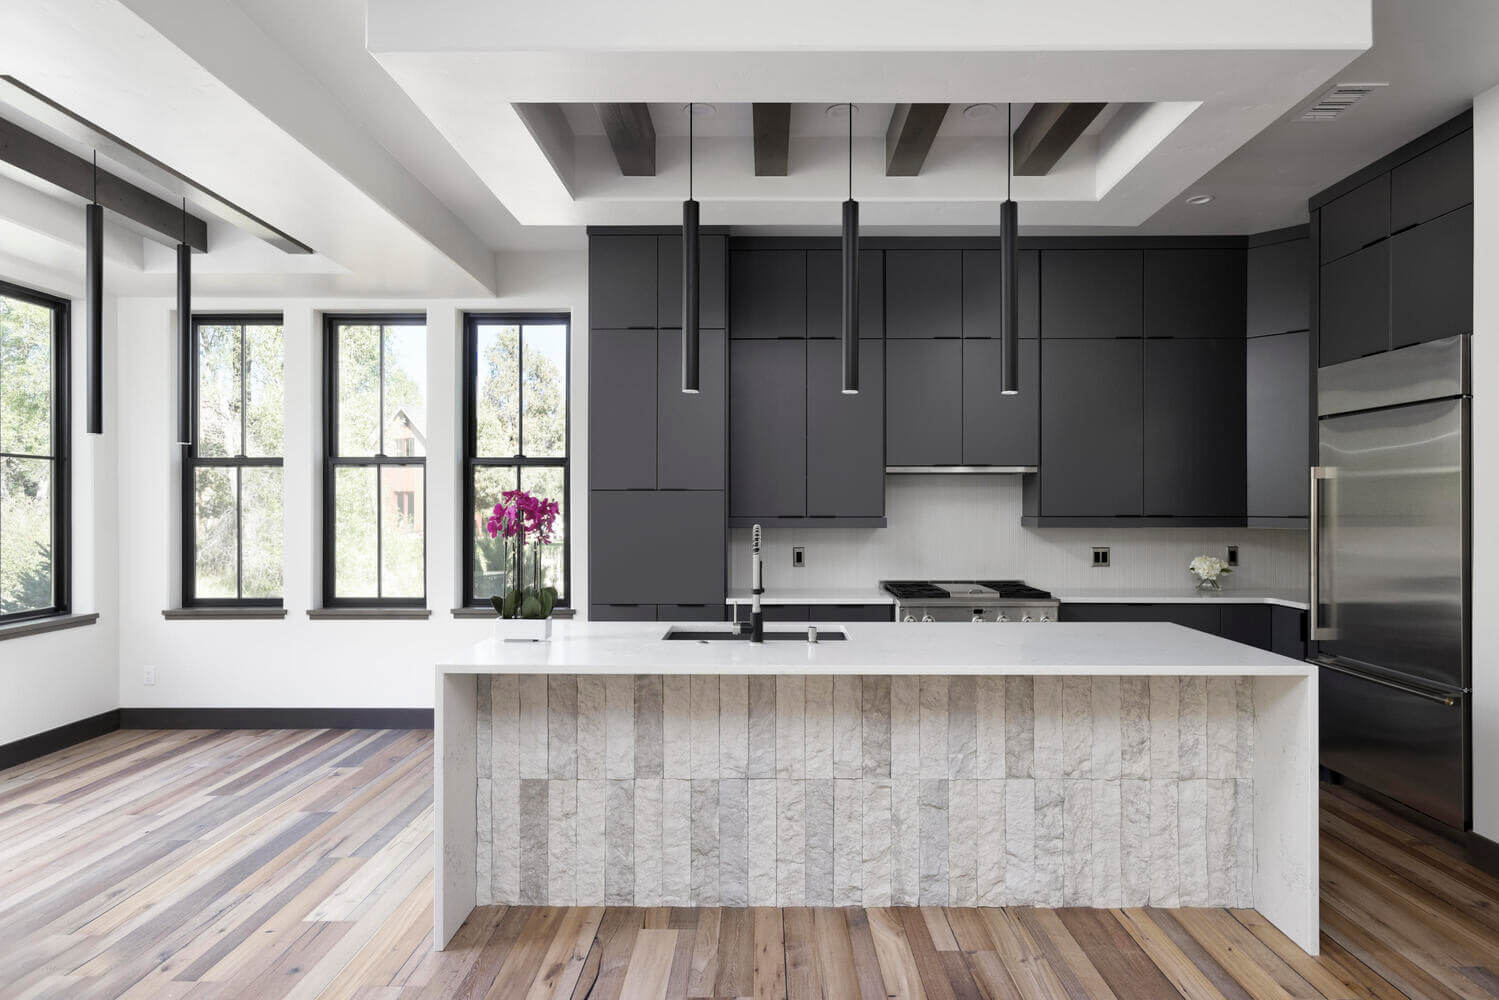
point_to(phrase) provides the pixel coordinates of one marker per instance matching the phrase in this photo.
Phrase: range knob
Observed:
(977, 618)
(908, 618)
(1027, 618)
(927, 618)
(1045, 619)
(1002, 617)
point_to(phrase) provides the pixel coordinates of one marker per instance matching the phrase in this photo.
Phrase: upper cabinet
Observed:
(998, 429)
(690, 427)
(622, 282)
(825, 293)
(1434, 183)
(1431, 279)
(924, 402)
(1354, 306)
(622, 409)
(982, 302)
(1194, 293)
(1091, 294)
(1092, 410)
(1278, 295)
(710, 309)
(1357, 219)
(923, 294)
(845, 433)
(767, 294)
(1277, 439)
(1194, 454)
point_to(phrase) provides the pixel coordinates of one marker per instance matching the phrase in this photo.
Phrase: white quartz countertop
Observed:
(1183, 596)
(815, 595)
(1106, 648)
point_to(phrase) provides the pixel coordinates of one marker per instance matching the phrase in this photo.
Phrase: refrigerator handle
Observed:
(1443, 699)
(1314, 630)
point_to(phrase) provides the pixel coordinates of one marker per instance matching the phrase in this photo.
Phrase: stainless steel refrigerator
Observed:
(1391, 597)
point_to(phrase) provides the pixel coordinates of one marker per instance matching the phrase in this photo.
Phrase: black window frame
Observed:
(61, 457)
(332, 461)
(192, 461)
(472, 461)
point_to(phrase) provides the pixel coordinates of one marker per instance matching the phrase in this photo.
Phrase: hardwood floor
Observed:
(298, 864)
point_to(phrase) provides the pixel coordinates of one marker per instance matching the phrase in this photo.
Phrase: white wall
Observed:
(1486, 464)
(297, 662)
(968, 527)
(55, 678)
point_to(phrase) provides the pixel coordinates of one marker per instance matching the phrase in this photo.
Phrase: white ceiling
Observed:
(382, 132)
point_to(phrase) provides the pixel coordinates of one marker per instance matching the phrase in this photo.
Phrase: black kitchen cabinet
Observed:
(1434, 183)
(1354, 307)
(1265, 626)
(1246, 623)
(656, 547)
(1194, 428)
(1278, 293)
(1202, 617)
(622, 612)
(768, 294)
(1092, 410)
(1194, 293)
(691, 612)
(924, 402)
(622, 282)
(1091, 293)
(832, 613)
(998, 429)
(622, 409)
(1356, 219)
(690, 427)
(1431, 279)
(1288, 632)
(845, 433)
(768, 428)
(825, 293)
(981, 299)
(711, 276)
(923, 294)
(1277, 408)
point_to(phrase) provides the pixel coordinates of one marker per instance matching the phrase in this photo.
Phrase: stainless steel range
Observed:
(970, 601)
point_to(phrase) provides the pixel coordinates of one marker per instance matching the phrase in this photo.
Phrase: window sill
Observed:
(558, 613)
(207, 614)
(367, 614)
(54, 624)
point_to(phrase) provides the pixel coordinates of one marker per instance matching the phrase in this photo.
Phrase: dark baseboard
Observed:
(275, 718)
(1483, 853)
(53, 740)
(1478, 850)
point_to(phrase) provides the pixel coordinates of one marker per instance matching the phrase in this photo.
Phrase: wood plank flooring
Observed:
(298, 864)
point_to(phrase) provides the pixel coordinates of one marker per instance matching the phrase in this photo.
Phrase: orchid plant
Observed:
(523, 521)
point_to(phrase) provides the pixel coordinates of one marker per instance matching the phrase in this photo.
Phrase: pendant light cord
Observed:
(95, 198)
(1009, 150)
(850, 152)
(689, 150)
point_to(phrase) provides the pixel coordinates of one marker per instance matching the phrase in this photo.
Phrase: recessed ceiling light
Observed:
(700, 110)
(838, 110)
(1199, 199)
(980, 110)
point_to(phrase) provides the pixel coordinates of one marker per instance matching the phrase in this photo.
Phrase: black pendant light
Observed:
(184, 335)
(689, 277)
(1009, 316)
(850, 274)
(93, 293)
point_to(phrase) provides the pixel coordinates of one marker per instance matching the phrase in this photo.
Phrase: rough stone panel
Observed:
(905, 727)
(1134, 727)
(1165, 742)
(562, 726)
(1192, 726)
(1192, 841)
(1047, 726)
(704, 694)
(819, 726)
(1107, 849)
(647, 722)
(648, 846)
(848, 724)
(1077, 727)
(791, 841)
(676, 726)
(762, 729)
(933, 819)
(733, 831)
(905, 841)
(1107, 750)
(875, 842)
(705, 841)
(1077, 840)
(791, 728)
(733, 727)
(990, 725)
(620, 839)
(562, 842)
(1165, 868)
(962, 841)
(533, 726)
(593, 727)
(534, 821)
(593, 841)
(1051, 842)
(875, 752)
(622, 745)
(818, 820)
(761, 841)
(676, 842)
(1020, 725)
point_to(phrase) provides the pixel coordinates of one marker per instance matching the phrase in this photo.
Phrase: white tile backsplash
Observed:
(968, 527)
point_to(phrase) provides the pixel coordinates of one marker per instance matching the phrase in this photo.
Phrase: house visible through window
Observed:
(232, 499)
(515, 436)
(33, 454)
(374, 489)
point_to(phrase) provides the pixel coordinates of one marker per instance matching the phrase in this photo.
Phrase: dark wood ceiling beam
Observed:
(632, 136)
(772, 139)
(1047, 132)
(913, 127)
(55, 165)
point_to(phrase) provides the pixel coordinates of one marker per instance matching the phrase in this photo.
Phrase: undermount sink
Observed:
(679, 634)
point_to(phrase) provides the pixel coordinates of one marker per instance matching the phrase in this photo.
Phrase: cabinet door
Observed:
(1000, 430)
(981, 298)
(649, 547)
(1203, 618)
(845, 433)
(825, 293)
(712, 270)
(923, 293)
(1357, 219)
(690, 427)
(1278, 295)
(768, 428)
(622, 612)
(1194, 293)
(1431, 280)
(1277, 409)
(621, 282)
(622, 409)
(924, 402)
(1194, 428)
(1090, 293)
(1432, 184)
(691, 612)
(1354, 317)
(767, 294)
(1288, 632)
(1091, 428)
(1246, 623)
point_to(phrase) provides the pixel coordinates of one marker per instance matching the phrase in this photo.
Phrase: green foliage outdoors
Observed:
(27, 471)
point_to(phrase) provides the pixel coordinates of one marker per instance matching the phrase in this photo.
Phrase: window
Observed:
(33, 454)
(515, 404)
(231, 473)
(374, 486)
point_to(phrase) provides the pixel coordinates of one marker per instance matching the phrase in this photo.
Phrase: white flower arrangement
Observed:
(1207, 569)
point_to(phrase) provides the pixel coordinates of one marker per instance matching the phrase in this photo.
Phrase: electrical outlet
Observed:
(1100, 557)
(798, 557)
(1233, 555)
(149, 677)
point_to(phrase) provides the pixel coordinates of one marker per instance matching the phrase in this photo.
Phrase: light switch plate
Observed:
(148, 677)
(1101, 557)
(798, 557)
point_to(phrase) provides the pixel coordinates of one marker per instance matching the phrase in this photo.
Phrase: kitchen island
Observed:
(1102, 764)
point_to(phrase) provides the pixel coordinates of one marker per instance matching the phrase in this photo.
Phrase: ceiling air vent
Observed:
(1338, 100)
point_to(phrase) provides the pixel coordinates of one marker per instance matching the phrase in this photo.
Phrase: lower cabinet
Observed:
(1269, 627)
(821, 612)
(656, 612)
(656, 547)
(622, 612)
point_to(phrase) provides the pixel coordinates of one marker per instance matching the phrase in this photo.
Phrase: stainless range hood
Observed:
(965, 470)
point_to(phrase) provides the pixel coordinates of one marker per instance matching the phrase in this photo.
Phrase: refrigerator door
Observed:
(1391, 541)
